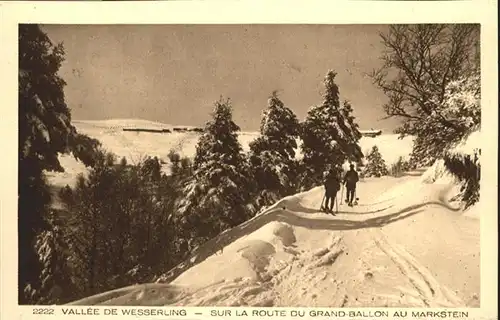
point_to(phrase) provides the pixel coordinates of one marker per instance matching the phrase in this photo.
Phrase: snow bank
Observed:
(289, 202)
(469, 144)
(246, 258)
(437, 173)
(474, 211)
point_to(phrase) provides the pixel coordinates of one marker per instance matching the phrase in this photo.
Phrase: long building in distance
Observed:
(370, 133)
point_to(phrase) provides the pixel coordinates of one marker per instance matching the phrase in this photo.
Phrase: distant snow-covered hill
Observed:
(135, 146)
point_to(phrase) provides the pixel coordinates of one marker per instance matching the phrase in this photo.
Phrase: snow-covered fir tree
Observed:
(375, 164)
(94, 218)
(329, 134)
(217, 195)
(54, 255)
(45, 130)
(272, 154)
(129, 239)
(351, 128)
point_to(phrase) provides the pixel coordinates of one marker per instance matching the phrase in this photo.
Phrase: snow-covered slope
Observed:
(403, 245)
(135, 146)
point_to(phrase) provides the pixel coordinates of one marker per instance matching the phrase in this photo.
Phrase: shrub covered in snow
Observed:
(398, 168)
(468, 170)
(437, 172)
(463, 162)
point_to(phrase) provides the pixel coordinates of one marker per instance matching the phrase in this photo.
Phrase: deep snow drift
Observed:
(404, 245)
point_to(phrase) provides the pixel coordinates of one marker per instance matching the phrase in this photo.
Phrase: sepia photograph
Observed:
(249, 165)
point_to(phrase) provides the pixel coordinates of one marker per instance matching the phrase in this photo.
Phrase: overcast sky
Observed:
(174, 73)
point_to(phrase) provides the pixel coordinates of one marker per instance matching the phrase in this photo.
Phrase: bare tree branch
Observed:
(418, 63)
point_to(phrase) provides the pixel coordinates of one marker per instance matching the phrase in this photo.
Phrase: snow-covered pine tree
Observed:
(375, 166)
(93, 221)
(127, 240)
(329, 134)
(45, 130)
(56, 285)
(217, 194)
(272, 154)
(351, 128)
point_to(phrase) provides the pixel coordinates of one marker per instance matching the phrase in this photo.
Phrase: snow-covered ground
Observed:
(403, 245)
(135, 146)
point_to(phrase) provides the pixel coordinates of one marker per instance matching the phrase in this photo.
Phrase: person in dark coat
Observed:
(332, 186)
(350, 179)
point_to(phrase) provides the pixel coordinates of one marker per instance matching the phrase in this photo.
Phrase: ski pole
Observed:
(342, 194)
(336, 204)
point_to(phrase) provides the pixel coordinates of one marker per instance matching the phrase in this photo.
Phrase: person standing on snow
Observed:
(332, 186)
(350, 179)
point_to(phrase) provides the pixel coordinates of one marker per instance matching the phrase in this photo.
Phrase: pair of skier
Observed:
(332, 184)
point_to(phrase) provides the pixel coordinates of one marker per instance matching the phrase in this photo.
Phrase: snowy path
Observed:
(398, 247)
